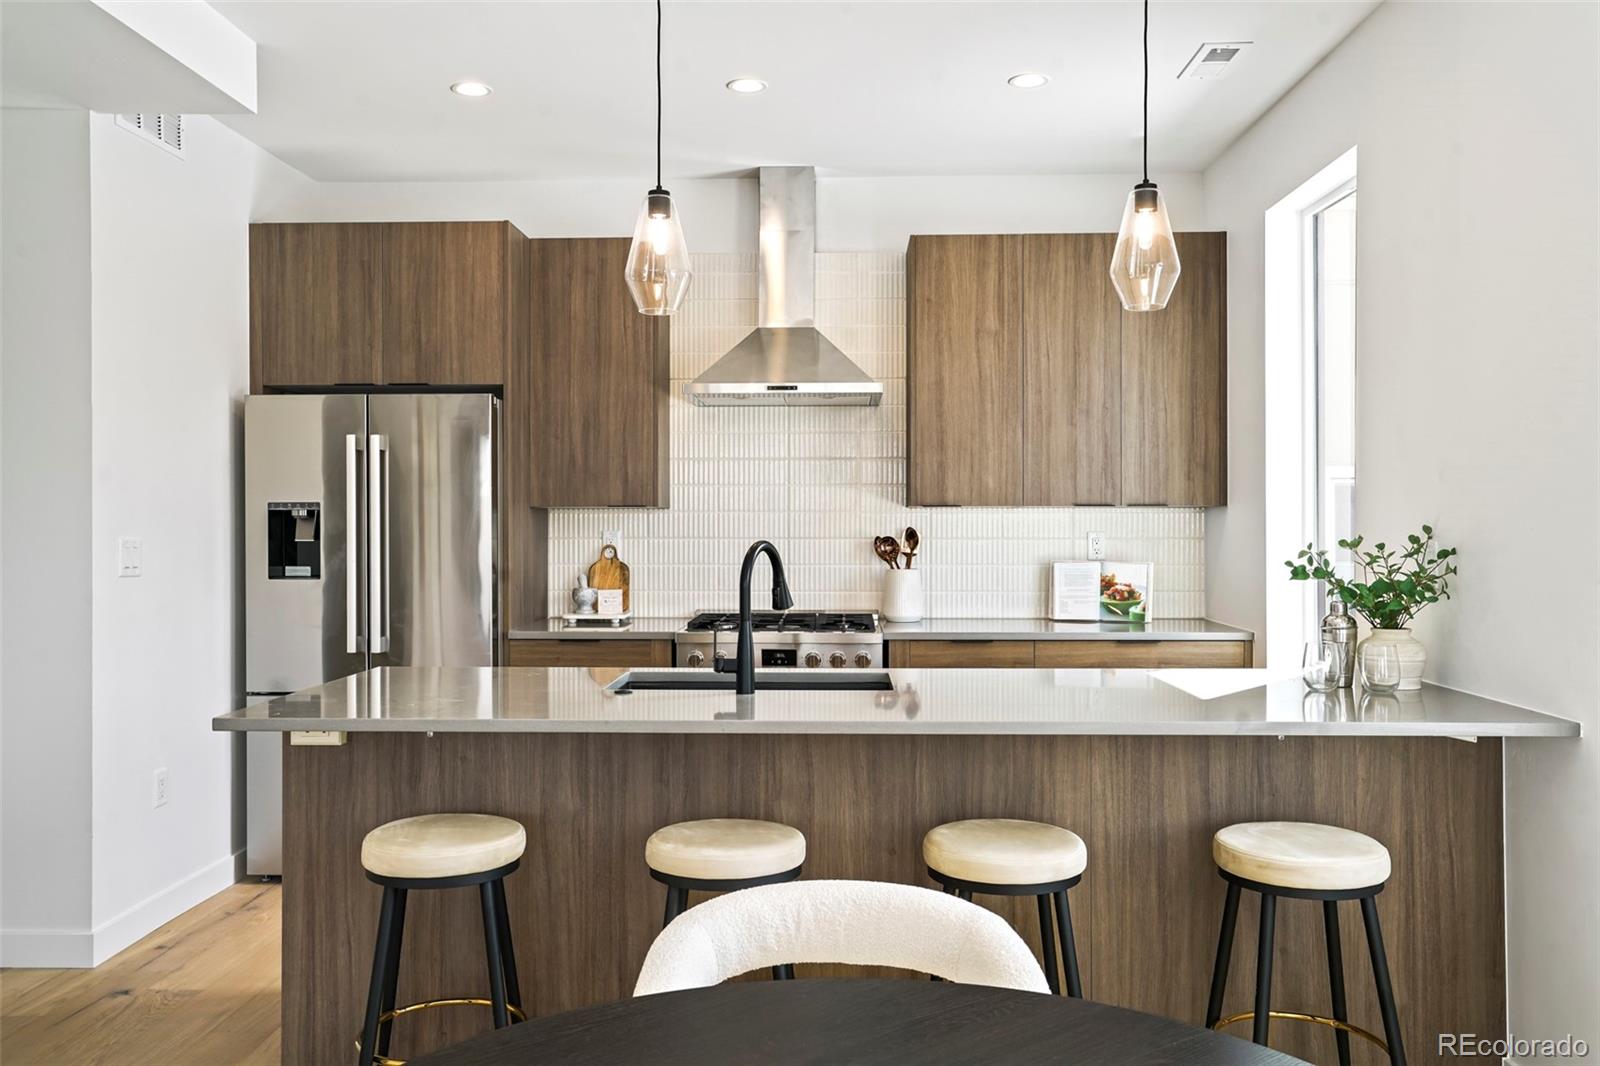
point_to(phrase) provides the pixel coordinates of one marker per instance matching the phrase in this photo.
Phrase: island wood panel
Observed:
(446, 304)
(1072, 371)
(584, 909)
(964, 370)
(601, 380)
(313, 304)
(1147, 654)
(968, 654)
(1174, 386)
(590, 651)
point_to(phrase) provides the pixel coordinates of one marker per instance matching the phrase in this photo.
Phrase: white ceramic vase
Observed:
(902, 596)
(1408, 649)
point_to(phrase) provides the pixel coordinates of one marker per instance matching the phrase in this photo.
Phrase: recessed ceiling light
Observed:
(470, 88)
(747, 85)
(1027, 81)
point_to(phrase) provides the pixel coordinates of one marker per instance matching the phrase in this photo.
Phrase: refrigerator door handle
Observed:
(377, 544)
(352, 543)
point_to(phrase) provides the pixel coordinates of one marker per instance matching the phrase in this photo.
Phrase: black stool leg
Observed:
(380, 969)
(491, 946)
(1069, 946)
(784, 972)
(677, 903)
(1330, 933)
(508, 955)
(1269, 908)
(1380, 974)
(392, 978)
(1047, 945)
(1219, 972)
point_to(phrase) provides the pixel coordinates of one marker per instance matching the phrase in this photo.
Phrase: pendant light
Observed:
(658, 262)
(1144, 268)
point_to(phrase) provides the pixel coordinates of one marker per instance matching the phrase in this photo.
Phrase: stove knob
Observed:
(695, 658)
(813, 659)
(836, 660)
(863, 660)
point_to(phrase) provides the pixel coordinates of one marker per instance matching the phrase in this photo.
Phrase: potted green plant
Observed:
(1396, 584)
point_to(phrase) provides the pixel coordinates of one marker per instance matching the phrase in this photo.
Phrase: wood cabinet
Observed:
(1072, 371)
(964, 387)
(601, 379)
(1028, 385)
(589, 651)
(314, 304)
(1174, 386)
(1068, 654)
(383, 303)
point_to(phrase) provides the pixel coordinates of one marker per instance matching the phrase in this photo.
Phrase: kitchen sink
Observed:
(771, 680)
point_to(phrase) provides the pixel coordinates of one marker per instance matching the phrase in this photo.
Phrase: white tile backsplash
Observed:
(821, 482)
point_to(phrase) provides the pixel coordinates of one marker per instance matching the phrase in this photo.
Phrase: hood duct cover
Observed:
(786, 361)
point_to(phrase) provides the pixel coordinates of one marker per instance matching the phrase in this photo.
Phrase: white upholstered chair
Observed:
(860, 923)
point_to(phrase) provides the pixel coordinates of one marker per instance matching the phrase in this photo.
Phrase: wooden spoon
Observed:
(912, 541)
(889, 549)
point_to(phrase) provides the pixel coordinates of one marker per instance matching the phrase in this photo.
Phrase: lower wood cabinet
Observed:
(589, 651)
(1068, 654)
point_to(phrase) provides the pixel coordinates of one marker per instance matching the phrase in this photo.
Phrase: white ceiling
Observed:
(358, 91)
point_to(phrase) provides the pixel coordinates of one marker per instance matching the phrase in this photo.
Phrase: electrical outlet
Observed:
(612, 537)
(130, 556)
(1097, 545)
(161, 787)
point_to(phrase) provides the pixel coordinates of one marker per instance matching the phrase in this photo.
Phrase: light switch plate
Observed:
(1097, 545)
(130, 556)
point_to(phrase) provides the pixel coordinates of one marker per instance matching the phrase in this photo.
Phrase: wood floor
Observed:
(202, 989)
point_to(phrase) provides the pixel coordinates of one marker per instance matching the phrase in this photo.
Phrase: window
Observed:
(1331, 376)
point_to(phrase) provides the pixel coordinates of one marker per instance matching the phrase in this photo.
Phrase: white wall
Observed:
(126, 361)
(45, 604)
(1477, 339)
(853, 214)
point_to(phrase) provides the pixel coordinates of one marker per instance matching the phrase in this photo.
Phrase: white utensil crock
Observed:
(902, 596)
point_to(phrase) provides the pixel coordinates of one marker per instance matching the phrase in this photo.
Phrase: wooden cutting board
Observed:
(610, 572)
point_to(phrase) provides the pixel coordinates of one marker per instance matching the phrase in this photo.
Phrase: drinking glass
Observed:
(1380, 667)
(1321, 665)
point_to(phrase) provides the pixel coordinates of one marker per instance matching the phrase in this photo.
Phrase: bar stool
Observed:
(1304, 860)
(1008, 857)
(437, 851)
(723, 855)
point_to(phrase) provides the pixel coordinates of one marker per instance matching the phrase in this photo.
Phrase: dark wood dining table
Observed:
(821, 1020)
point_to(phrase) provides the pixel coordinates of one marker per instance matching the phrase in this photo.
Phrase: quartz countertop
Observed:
(664, 627)
(1044, 629)
(970, 702)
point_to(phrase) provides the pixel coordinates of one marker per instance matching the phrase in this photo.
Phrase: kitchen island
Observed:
(1140, 768)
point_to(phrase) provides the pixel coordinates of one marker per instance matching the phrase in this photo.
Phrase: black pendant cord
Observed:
(658, 92)
(1146, 91)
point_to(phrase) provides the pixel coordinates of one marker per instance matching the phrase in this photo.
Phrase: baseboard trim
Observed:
(141, 919)
(53, 949)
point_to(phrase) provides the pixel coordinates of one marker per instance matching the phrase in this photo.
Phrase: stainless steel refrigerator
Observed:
(371, 539)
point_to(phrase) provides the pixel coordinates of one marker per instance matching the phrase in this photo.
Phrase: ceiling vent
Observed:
(1213, 60)
(165, 130)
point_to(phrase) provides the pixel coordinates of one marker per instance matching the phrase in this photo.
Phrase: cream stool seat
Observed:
(1301, 855)
(442, 845)
(725, 849)
(1005, 851)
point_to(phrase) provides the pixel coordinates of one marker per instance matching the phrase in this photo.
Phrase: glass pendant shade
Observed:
(658, 262)
(1144, 268)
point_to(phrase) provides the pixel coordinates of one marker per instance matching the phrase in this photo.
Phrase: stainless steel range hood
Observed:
(785, 361)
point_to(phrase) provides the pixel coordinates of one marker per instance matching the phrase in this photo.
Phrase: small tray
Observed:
(595, 621)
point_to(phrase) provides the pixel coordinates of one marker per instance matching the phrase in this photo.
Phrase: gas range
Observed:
(816, 639)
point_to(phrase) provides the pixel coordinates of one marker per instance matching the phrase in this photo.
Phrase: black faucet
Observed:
(745, 664)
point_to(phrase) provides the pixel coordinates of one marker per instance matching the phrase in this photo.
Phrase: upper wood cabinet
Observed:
(1072, 371)
(600, 380)
(383, 303)
(1028, 385)
(314, 304)
(1174, 386)
(964, 376)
